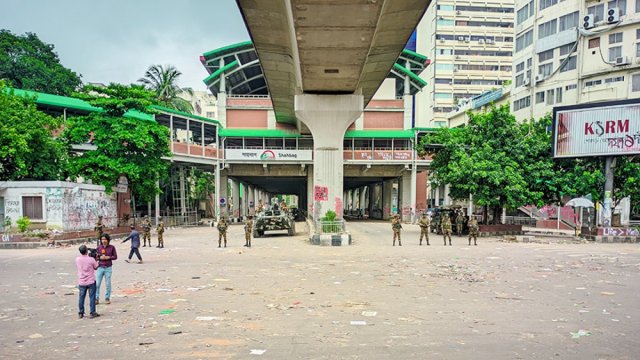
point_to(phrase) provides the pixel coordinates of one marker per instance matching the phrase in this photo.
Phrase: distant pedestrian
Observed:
(146, 231)
(446, 228)
(396, 226)
(134, 236)
(473, 230)
(222, 231)
(106, 254)
(248, 229)
(424, 227)
(160, 231)
(86, 266)
(459, 223)
(99, 228)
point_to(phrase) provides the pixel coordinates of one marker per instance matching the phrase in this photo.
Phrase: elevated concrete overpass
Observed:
(323, 60)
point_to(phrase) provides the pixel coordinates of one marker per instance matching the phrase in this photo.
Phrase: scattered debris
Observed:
(257, 352)
(580, 333)
(175, 332)
(369, 313)
(358, 322)
(167, 311)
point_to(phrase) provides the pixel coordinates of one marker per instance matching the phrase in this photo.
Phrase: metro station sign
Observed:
(268, 155)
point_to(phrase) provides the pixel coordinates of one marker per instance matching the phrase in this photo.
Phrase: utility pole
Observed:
(609, 163)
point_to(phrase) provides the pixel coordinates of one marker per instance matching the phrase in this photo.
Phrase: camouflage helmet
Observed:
(397, 216)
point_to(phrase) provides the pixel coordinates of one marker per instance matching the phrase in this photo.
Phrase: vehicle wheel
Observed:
(291, 232)
(256, 234)
(261, 233)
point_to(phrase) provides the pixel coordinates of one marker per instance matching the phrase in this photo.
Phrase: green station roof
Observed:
(379, 134)
(266, 133)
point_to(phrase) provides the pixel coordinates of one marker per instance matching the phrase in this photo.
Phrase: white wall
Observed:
(65, 206)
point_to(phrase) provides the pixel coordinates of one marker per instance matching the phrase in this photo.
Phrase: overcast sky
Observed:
(117, 40)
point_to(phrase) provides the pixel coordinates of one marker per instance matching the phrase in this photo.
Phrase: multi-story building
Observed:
(202, 102)
(470, 44)
(572, 52)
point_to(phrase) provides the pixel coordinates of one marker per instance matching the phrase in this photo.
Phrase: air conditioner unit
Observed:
(441, 40)
(589, 21)
(481, 41)
(460, 38)
(539, 78)
(467, 39)
(455, 70)
(457, 56)
(622, 60)
(458, 12)
(638, 60)
(526, 81)
(489, 41)
(613, 15)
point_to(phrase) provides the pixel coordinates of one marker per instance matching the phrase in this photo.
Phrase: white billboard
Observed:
(268, 155)
(598, 129)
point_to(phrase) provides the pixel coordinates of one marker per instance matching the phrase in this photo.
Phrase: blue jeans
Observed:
(106, 273)
(92, 298)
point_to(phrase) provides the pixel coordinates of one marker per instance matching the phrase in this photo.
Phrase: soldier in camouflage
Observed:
(446, 228)
(248, 229)
(459, 223)
(160, 231)
(222, 232)
(260, 206)
(424, 228)
(146, 231)
(473, 230)
(99, 228)
(396, 226)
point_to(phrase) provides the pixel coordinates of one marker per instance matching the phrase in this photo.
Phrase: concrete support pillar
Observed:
(328, 117)
(252, 200)
(222, 97)
(157, 202)
(436, 195)
(363, 198)
(447, 200)
(223, 198)
(310, 201)
(413, 189)
(387, 192)
(235, 198)
(406, 203)
(244, 205)
(183, 192)
(470, 208)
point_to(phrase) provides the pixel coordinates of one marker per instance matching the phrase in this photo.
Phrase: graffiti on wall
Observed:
(620, 232)
(82, 208)
(12, 207)
(339, 206)
(54, 203)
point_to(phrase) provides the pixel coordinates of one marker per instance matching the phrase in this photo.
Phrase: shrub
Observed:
(23, 223)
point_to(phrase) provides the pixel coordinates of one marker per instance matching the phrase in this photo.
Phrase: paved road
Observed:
(297, 301)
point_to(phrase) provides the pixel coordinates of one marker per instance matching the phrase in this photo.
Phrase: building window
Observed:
(614, 79)
(568, 21)
(620, 4)
(446, 96)
(638, 6)
(443, 81)
(570, 65)
(519, 80)
(566, 49)
(635, 82)
(615, 38)
(638, 48)
(445, 7)
(32, 207)
(445, 22)
(615, 52)
(524, 40)
(526, 12)
(211, 114)
(444, 67)
(559, 95)
(522, 103)
(592, 83)
(546, 3)
(545, 55)
(594, 43)
(547, 29)
(597, 11)
(545, 70)
(571, 87)
(539, 97)
(520, 67)
(550, 96)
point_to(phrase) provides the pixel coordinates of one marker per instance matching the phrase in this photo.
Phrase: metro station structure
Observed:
(320, 104)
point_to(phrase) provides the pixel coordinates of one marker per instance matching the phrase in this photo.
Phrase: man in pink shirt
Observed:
(86, 281)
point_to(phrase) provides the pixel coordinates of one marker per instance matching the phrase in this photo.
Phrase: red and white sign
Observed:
(600, 129)
(321, 193)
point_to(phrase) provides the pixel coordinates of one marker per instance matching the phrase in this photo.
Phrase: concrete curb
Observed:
(40, 244)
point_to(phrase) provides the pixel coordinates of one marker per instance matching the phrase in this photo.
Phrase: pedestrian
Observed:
(396, 226)
(459, 223)
(424, 228)
(146, 231)
(99, 228)
(248, 229)
(160, 231)
(446, 228)
(134, 236)
(473, 230)
(222, 231)
(86, 266)
(106, 254)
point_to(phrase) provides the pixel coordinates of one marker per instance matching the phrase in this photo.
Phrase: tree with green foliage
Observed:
(28, 151)
(163, 81)
(202, 188)
(126, 143)
(28, 63)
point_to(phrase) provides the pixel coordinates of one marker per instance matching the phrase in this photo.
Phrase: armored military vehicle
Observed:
(273, 220)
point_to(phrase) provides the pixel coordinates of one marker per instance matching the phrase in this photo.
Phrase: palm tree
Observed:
(163, 81)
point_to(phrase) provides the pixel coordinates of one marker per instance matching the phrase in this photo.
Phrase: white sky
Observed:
(117, 40)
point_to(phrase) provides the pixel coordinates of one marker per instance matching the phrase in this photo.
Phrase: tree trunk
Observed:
(485, 214)
(496, 215)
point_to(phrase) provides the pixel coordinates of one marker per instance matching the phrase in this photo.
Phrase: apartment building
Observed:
(572, 52)
(470, 44)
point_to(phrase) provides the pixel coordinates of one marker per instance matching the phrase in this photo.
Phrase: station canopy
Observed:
(244, 76)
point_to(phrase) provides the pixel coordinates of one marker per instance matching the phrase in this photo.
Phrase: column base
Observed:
(330, 239)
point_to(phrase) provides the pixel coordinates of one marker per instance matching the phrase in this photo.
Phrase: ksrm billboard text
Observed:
(598, 129)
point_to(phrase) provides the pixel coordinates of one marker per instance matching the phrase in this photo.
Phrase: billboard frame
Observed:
(600, 104)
